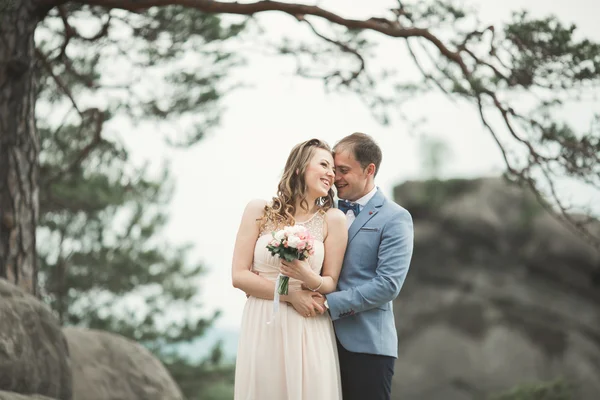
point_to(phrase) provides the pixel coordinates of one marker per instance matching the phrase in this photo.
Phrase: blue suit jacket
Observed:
(380, 245)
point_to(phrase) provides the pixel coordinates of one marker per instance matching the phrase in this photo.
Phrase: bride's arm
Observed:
(335, 247)
(243, 254)
(252, 284)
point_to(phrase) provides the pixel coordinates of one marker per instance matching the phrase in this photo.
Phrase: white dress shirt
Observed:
(362, 202)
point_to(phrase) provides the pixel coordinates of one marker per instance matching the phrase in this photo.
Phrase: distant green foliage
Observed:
(104, 262)
(435, 154)
(163, 65)
(557, 390)
(100, 244)
(434, 193)
(202, 381)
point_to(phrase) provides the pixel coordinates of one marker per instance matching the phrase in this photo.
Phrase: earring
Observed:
(321, 201)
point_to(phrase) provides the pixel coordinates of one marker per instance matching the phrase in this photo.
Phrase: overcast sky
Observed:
(243, 158)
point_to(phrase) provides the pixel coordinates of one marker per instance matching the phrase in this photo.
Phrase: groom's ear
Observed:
(371, 169)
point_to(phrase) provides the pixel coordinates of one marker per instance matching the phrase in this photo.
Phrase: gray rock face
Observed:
(15, 396)
(109, 367)
(34, 357)
(499, 293)
(41, 361)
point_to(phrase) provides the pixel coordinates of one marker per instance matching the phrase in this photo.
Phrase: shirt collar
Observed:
(365, 199)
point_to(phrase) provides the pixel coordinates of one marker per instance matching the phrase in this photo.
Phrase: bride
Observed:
(292, 355)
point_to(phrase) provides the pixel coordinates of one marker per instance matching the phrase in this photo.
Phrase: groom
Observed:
(380, 244)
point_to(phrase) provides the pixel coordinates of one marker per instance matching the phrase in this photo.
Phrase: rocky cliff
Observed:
(499, 293)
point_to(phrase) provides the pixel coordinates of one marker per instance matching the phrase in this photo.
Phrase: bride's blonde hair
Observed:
(292, 186)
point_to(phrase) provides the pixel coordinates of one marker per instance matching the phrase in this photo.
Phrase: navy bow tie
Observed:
(346, 205)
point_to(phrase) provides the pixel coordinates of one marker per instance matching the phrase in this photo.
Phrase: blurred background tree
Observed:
(98, 61)
(103, 260)
(435, 154)
(518, 76)
(104, 264)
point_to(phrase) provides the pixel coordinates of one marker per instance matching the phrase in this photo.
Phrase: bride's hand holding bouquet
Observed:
(293, 244)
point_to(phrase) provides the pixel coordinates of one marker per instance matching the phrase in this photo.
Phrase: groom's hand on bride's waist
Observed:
(320, 300)
(306, 302)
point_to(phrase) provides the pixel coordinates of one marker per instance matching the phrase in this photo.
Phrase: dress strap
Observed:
(316, 225)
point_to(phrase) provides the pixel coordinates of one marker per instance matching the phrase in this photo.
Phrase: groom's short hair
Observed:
(366, 151)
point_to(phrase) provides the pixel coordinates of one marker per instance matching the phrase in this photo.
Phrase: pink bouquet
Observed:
(290, 243)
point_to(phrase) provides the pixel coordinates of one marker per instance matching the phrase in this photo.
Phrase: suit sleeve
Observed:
(393, 260)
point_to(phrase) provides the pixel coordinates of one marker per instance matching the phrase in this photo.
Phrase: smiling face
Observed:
(319, 174)
(352, 181)
(306, 181)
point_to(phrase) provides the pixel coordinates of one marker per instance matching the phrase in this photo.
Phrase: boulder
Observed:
(109, 367)
(34, 358)
(16, 396)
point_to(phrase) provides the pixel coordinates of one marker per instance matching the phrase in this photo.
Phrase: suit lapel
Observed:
(368, 212)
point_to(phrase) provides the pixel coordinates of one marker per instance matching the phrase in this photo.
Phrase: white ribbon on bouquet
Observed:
(275, 298)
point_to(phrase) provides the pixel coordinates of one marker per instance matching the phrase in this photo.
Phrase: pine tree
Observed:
(103, 260)
(486, 66)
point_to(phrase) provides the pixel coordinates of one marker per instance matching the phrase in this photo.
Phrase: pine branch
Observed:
(59, 82)
(97, 118)
(530, 62)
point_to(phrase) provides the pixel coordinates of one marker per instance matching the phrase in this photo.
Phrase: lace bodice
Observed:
(315, 226)
(268, 266)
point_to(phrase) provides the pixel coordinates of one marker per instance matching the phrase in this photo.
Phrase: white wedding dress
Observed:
(293, 357)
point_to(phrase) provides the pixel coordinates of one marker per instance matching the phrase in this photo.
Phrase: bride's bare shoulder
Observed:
(335, 215)
(255, 207)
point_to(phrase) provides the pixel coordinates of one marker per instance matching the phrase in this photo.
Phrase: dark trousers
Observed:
(365, 376)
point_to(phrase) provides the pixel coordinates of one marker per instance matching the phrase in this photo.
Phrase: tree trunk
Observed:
(19, 147)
